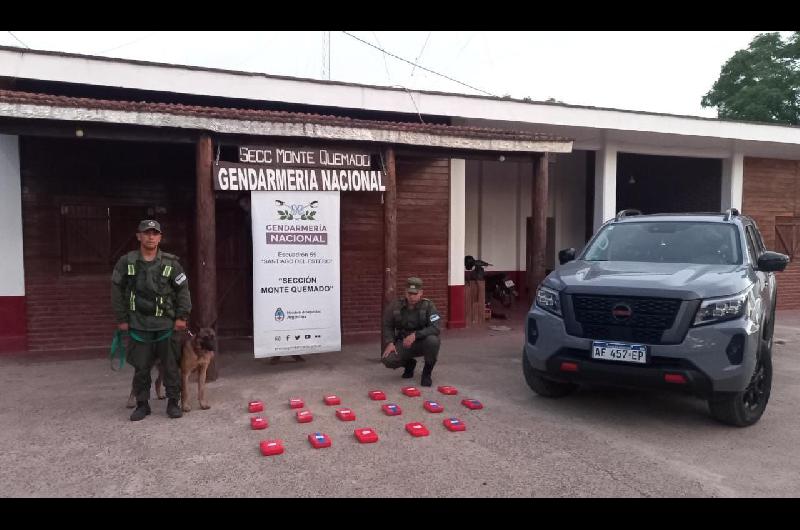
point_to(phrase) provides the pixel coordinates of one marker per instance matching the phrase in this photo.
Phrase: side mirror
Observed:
(566, 255)
(772, 261)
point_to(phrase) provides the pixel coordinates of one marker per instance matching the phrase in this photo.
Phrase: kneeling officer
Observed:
(411, 329)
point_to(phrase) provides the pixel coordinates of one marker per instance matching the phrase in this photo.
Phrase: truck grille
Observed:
(649, 318)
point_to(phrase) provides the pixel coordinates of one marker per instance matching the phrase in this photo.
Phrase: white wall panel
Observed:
(499, 214)
(12, 273)
(472, 208)
(569, 194)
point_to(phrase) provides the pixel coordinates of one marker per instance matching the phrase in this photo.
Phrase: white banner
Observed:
(295, 273)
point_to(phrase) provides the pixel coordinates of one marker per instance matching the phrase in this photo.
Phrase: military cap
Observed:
(149, 224)
(414, 285)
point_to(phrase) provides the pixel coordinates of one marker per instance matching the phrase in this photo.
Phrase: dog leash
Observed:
(117, 346)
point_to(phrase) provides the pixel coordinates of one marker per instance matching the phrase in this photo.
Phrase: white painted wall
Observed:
(497, 198)
(568, 191)
(457, 224)
(732, 181)
(498, 202)
(525, 175)
(472, 206)
(12, 273)
(499, 230)
(605, 184)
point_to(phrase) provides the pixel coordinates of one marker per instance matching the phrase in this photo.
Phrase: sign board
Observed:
(229, 176)
(275, 168)
(326, 158)
(296, 287)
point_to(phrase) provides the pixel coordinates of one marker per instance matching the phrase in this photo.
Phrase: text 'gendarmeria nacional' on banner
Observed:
(230, 176)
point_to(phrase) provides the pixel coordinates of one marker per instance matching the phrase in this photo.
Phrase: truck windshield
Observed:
(667, 242)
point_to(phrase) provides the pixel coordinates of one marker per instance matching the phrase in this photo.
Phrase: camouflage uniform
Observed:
(400, 320)
(150, 296)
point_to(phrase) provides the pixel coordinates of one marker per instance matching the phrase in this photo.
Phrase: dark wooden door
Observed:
(234, 270)
(85, 239)
(124, 222)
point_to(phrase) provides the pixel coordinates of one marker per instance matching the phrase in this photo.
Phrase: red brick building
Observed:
(90, 145)
(86, 169)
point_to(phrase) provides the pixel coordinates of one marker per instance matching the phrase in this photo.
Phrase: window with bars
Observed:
(93, 237)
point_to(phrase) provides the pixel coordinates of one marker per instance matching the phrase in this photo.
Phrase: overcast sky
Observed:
(650, 71)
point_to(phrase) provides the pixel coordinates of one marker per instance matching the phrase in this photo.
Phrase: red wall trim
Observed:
(456, 307)
(13, 324)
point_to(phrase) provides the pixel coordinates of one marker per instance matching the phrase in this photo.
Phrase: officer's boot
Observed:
(426, 374)
(173, 409)
(142, 410)
(408, 373)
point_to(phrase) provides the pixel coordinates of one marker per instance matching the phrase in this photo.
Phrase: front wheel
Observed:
(745, 408)
(540, 385)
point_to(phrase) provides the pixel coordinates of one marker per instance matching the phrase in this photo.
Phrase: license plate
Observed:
(619, 351)
(509, 283)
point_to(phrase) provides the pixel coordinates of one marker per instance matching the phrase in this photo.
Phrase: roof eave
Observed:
(282, 128)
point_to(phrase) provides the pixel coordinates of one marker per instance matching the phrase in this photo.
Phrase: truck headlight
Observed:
(548, 300)
(721, 309)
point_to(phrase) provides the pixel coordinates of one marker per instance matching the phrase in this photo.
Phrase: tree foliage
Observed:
(761, 83)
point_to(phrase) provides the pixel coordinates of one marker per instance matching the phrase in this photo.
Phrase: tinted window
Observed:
(667, 242)
(751, 246)
(756, 235)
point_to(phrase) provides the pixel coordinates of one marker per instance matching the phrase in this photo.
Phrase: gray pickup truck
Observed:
(666, 301)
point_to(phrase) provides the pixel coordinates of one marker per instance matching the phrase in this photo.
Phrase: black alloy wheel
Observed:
(745, 408)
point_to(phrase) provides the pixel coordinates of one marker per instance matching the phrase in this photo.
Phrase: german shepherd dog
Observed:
(196, 354)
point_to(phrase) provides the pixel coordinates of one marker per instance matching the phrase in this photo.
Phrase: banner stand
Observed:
(297, 358)
(296, 273)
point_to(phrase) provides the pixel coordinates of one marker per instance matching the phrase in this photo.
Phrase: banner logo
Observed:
(291, 212)
(293, 231)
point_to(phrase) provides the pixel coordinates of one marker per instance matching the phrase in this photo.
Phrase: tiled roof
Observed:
(27, 98)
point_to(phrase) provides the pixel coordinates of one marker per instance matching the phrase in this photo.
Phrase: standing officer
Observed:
(411, 329)
(150, 297)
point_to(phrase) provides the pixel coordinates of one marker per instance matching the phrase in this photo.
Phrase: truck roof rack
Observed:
(626, 213)
(729, 213)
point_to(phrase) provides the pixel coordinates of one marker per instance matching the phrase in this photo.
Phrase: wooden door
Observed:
(85, 239)
(234, 270)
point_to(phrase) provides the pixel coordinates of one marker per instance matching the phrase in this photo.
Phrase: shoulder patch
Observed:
(434, 317)
(180, 278)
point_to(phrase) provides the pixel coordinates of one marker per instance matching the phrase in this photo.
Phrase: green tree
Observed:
(761, 83)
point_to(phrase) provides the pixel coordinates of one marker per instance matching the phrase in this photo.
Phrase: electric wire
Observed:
(417, 65)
